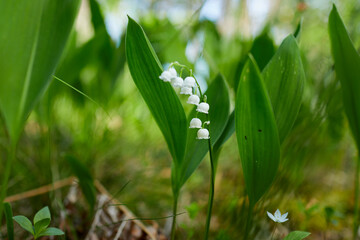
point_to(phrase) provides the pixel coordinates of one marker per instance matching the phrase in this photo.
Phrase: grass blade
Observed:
(9, 221)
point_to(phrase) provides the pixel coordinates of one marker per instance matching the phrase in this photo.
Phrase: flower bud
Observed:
(177, 82)
(193, 99)
(186, 91)
(189, 82)
(203, 108)
(195, 123)
(203, 133)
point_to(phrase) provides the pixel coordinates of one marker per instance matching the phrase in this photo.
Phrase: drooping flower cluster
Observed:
(188, 86)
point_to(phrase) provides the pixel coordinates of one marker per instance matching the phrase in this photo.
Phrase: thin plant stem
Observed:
(248, 221)
(356, 207)
(173, 226)
(5, 179)
(211, 194)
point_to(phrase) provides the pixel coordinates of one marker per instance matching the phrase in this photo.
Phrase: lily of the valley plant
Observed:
(190, 86)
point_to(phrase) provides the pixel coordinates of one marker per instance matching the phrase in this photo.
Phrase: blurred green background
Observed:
(120, 143)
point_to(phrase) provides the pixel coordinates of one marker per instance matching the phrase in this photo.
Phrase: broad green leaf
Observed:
(86, 181)
(263, 49)
(296, 235)
(42, 214)
(226, 134)
(159, 96)
(256, 132)
(228, 131)
(42, 220)
(51, 231)
(218, 99)
(41, 225)
(284, 78)
(347, 68)
(9, 221)
(25, 223)
(32, 36)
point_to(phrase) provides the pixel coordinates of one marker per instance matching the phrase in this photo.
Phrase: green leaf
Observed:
(25, 223)
(256, 132)
(42, 214)
(263, 49)
(347, 68)
(227, 133)
(33, 35)
(51, 231)
(297, 32)
(86, 181)
(284, 78)
(159, 96)
(296, 235)
(42, 220)
(9, 221)
(41, 225)
(218, 99)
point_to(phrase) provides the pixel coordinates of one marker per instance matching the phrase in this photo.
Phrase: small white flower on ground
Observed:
(186, 91)
(189, 82)
(195, 123)
(207, 122)
(203, 108)
(177, 82)
(166, 76)
(277, 217)
(203, 133)
(193, 99)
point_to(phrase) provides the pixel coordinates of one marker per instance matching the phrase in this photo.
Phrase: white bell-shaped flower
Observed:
(166, 76)
(193, 99)
(173, 72)
(177, 82)
(195, 123)
(203, 133)
(189, 82)
(203, 108)
(207, 122)
(186, 91)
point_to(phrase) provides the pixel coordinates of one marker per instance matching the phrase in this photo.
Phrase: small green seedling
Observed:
(41, 222)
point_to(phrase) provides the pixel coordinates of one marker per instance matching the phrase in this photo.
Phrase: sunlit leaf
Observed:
(25, 223)
(42, 220)
(297, 235)
(33, 35)
(160, 97)
(51, 231)
(347, 67)
(284, 78)
(256, 132)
